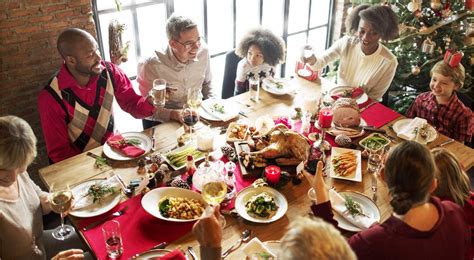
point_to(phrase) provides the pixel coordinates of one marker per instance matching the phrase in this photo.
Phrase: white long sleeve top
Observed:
(372, 72)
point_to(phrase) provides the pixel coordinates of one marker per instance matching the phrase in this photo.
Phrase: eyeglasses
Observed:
(190, 44)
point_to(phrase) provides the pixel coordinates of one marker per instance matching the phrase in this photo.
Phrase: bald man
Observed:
(76, 106)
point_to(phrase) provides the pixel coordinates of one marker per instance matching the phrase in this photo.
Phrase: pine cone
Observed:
(179, 183)
(156, 158)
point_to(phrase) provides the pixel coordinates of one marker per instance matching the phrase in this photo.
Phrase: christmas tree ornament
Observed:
(428, 46)
(436, 4)
(469, 27)
(469, 5)
(415, 70)
(452, 58)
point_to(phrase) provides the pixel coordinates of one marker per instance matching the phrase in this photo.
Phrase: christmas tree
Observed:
(427, 30)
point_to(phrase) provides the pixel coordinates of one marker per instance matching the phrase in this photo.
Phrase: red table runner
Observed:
(378, 115)
(140, 230)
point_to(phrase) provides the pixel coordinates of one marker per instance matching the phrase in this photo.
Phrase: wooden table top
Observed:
(81, 167)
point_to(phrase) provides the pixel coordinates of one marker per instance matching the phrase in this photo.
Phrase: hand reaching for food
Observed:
(317, 182)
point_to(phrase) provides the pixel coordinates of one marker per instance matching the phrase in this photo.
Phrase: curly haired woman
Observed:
(261, 51)
(364, 61)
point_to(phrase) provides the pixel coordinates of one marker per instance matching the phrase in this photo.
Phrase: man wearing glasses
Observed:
(184, 64)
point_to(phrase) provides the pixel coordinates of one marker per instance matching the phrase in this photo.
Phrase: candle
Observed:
(205, 141)
(272, 173)
(325, 118)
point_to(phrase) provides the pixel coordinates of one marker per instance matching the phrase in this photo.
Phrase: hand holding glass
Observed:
(61, 202)
(190, 117)
(307, 53)
(158, 92)
(214, 190)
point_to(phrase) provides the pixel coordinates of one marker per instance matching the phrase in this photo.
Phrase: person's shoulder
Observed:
(387, 54)
(425, 96)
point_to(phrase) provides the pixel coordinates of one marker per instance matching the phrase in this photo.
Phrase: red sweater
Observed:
(53, 116)
(450, 238)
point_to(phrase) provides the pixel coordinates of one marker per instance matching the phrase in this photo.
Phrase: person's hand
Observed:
(69, 255)
(170, 92)
(207, 229)
(318, 184)
(177, 116)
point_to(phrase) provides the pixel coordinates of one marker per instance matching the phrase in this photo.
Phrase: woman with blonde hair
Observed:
(454, 185)
(22, 202)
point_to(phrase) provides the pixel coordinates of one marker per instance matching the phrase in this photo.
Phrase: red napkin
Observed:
(119, 144)
(378, 115)
(140, 230)
(300, 65)
(356, 92)
(174, 255)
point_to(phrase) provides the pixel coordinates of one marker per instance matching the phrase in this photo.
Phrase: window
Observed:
(221, 23)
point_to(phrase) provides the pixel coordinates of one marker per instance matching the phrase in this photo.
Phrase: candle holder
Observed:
(324, 123)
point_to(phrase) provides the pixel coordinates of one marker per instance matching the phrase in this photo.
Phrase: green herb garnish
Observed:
(131, 141)
(165, 206)
(100, 162)
(353, 207)
(98, 192)
(218, 107)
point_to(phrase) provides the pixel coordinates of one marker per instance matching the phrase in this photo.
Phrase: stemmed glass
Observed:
(194, 98)
(214, 190)
(307, 53)
(190, 118)
(60, 199)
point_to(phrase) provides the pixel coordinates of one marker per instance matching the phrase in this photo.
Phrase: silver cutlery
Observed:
(445, 143)
(243, 114)
(161, 245)
(128, 192)
(192, 253)
(243, 238)
(113, 215)
(153, 141)
(374, 187)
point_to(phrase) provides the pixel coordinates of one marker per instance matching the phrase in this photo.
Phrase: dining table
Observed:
(80, 168)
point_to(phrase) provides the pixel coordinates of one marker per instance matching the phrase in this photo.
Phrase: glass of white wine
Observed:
(194, 98)
(158, 92)
(214, 190)
(60, 199)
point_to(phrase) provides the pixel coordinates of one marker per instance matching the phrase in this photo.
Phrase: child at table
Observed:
(22, 203)
(454, 185)
(441, 106)
(261, 51)
(419, 221)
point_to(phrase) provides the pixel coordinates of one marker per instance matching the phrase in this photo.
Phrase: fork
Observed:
(113, 215)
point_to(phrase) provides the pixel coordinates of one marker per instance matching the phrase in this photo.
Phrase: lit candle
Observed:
(325, 118)
(272, 173)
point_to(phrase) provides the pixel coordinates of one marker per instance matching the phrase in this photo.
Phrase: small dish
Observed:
(191, 147)
(236, 132)
(378, 140)
(356, 175)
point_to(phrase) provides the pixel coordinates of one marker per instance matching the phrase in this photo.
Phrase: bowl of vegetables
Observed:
(374, 141)
(260, 204)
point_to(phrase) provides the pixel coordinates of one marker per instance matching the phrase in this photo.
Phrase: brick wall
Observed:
(28, 55)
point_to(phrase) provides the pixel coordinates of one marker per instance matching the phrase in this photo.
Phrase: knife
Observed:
(98, 222)
(373, 129)
(445, 143)
(161, 245)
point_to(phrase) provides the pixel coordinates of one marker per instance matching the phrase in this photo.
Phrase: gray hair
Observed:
(177, 24)
(17, 143)
(314, 239)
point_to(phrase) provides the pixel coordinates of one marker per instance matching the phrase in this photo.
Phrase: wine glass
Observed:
(60, 199)
(190, 118)
(214, 190)
(158, 92)
(307, 53)
(194, 98)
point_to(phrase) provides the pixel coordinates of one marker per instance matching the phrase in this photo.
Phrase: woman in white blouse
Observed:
(22, 202)
(364, 61)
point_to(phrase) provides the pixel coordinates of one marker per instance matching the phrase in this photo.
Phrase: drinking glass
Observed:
(375, 160)
(254, 88)
(194, 98)
(214, 190)
(60, 199)
(112, 238)
(307, 53)
(190, 118)
(158, 92)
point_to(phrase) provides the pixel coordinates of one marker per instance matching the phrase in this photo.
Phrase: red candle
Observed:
(325, 118)
(272, 173)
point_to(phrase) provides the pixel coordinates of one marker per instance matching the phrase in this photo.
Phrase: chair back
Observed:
(230, 70)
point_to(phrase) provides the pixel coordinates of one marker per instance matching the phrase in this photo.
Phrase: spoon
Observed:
(243, 238)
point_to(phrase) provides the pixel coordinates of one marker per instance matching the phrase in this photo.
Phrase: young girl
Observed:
(454, 185)
(441, 106)
(261, 51)
(421, 227)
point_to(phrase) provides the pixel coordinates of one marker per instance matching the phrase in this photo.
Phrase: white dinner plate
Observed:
(368, 208)
(338, 90)
(244, 195)
(207, 111)
(145, 144)
(357, 176)
(278, 86)
(151, 200)
(398, 126)
(272, 245)
(97, 208)
(179, 149)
